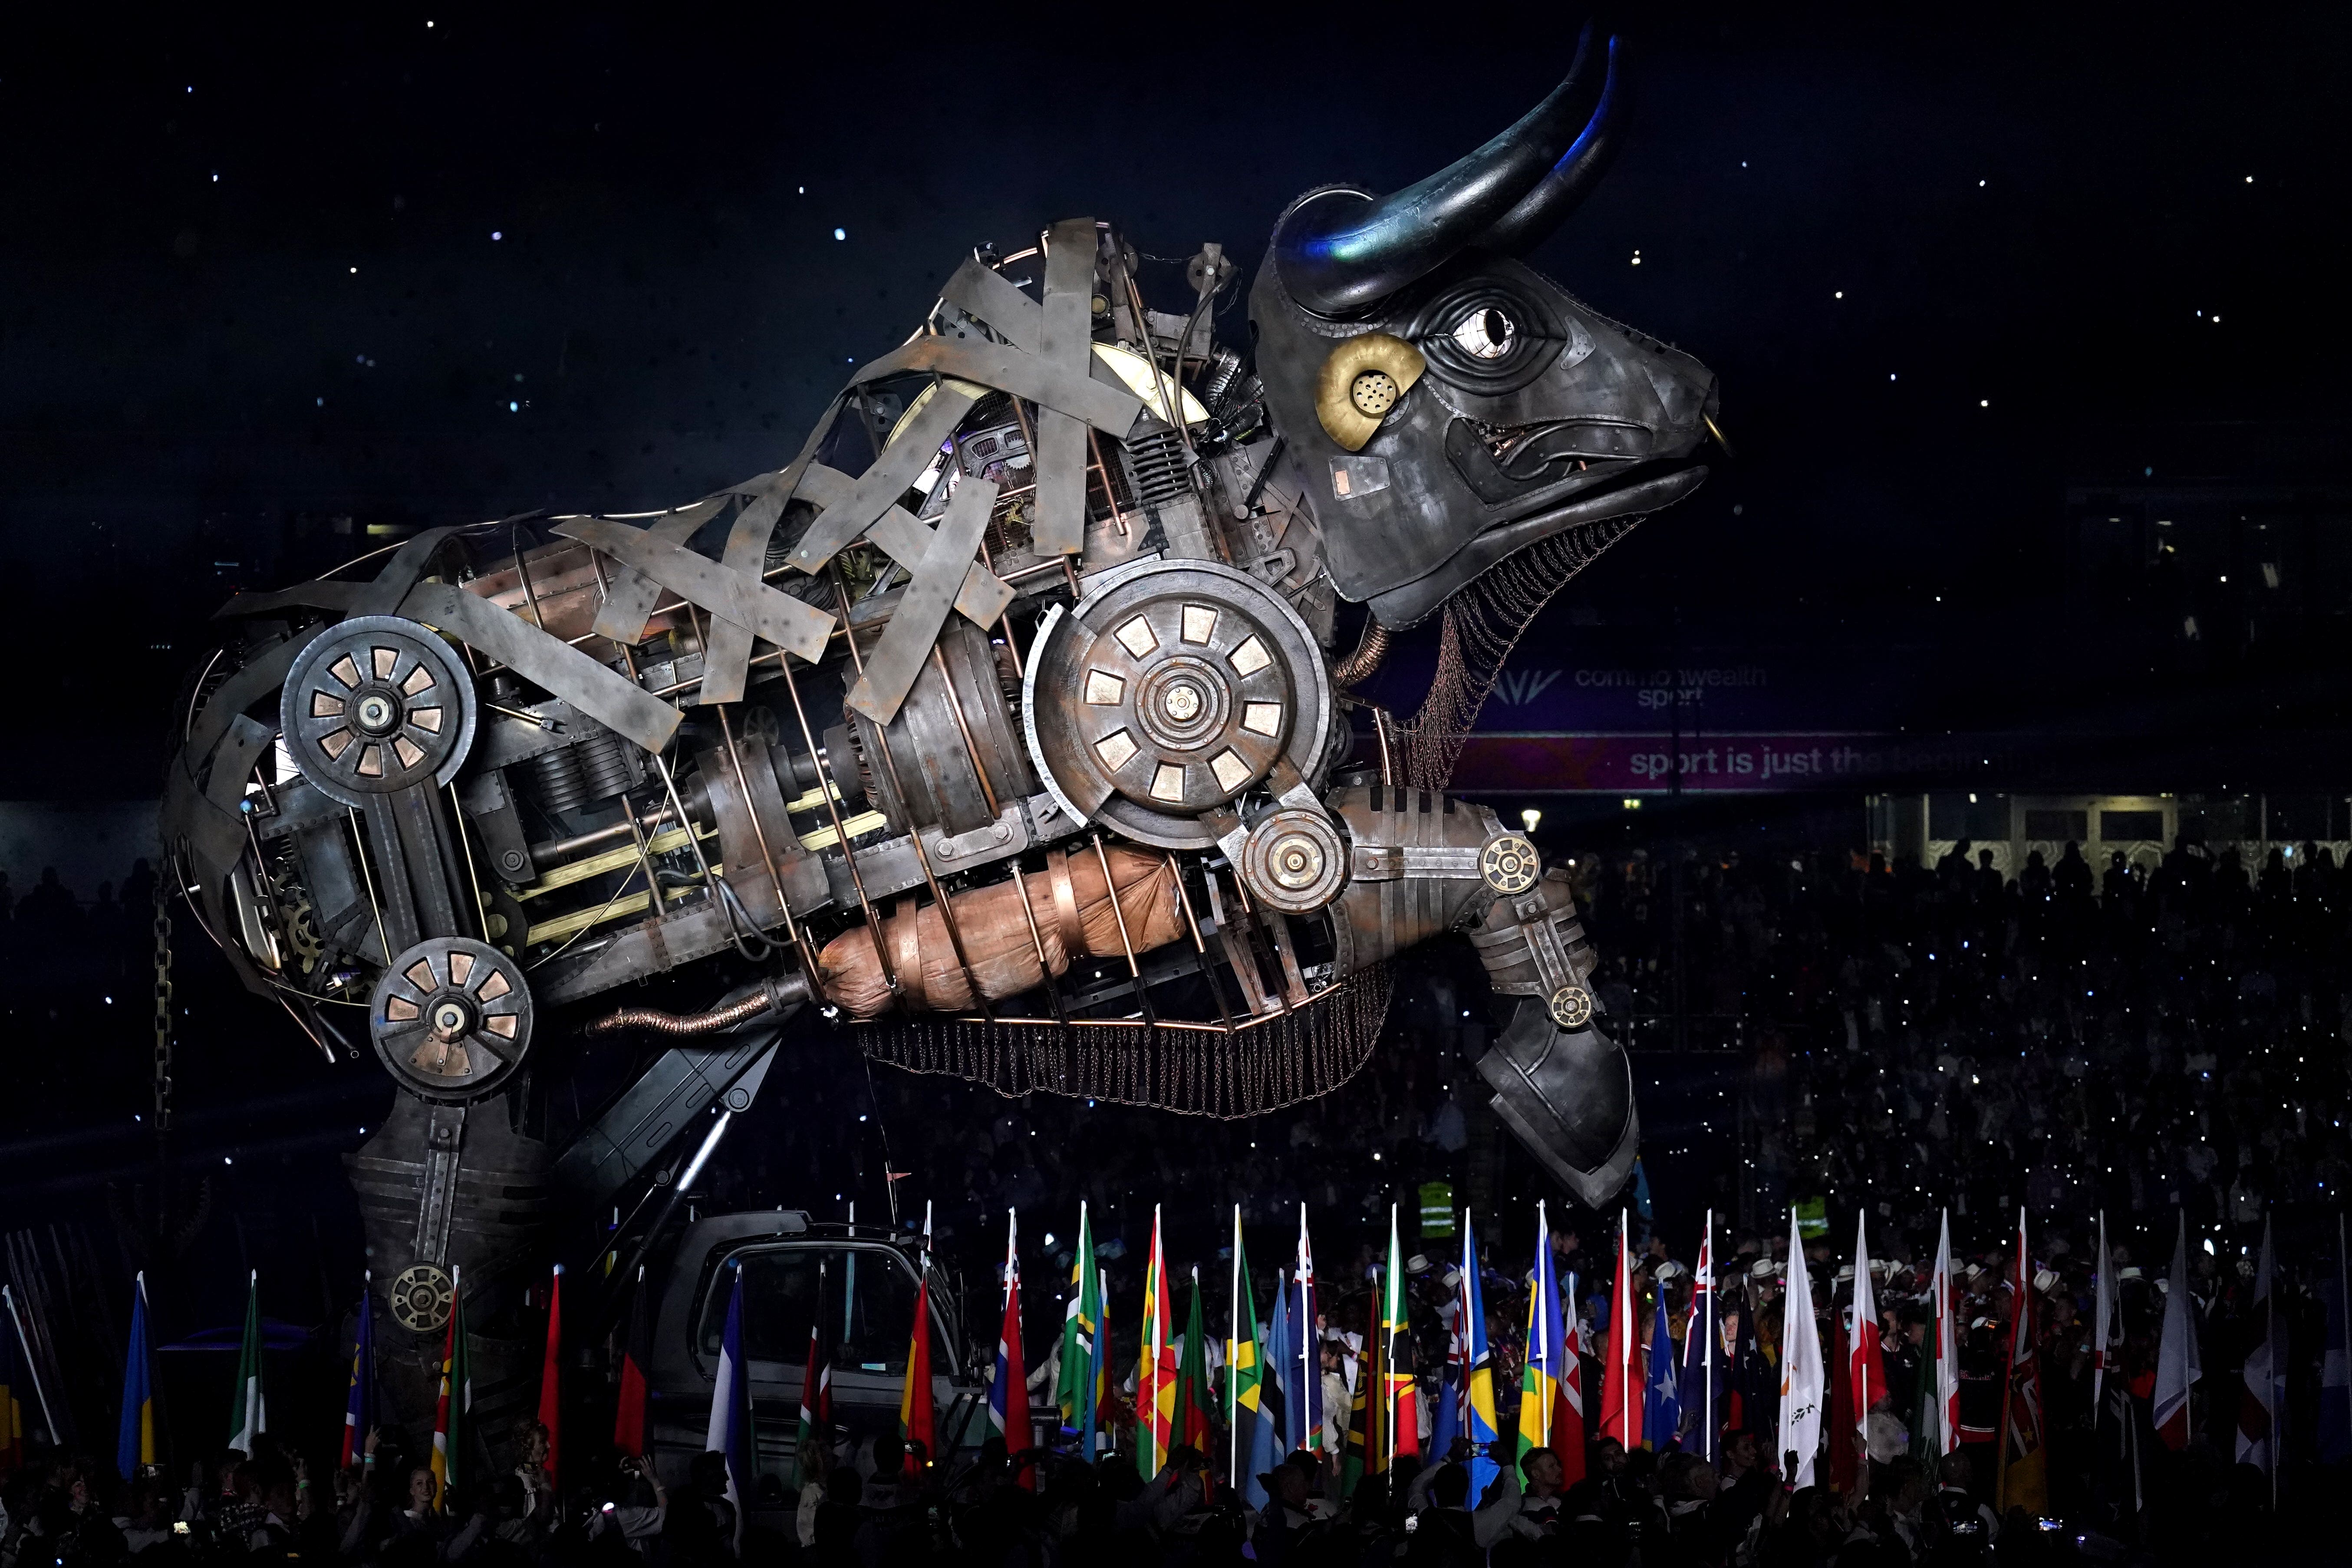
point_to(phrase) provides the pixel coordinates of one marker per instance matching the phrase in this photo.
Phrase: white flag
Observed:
(2178, 1366)
(2259, 1411)
(1801, 1386)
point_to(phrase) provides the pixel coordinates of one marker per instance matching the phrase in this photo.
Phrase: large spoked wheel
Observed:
(377, 704)
(451, 1019)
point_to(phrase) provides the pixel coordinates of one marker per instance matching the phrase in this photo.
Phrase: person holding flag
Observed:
(1400, 1389)
(1270, 1433)
(1701, 1355)
(454, 1403)
(1568, 1419)
(1622, 1384)
(2178, 1367)
(1866, 1365)
(1938, 1425)
(359, 1396)
(551, 1385)
(816, 1393)
(1079, 1383)
(1008, 1390)
(249, 1415)
(1155, 1377)
(1802, 1383)
(1191, 1426)
(729, 1431)
(630, 1431)
(2024, 1478)
(134, 1445)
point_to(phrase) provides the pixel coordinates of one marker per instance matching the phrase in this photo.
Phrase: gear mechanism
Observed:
(451, 1019)
(375, 704)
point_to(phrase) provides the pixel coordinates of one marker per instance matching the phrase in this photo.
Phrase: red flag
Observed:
(1623, 1382)
(1861, 1379)
(1568, 1408)
(916, 1423)
(629, 1419)
(1008, 1394)
(551, 1383)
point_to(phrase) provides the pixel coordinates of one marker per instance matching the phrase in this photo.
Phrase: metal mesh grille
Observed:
(1197, 1071)
(1482, 623)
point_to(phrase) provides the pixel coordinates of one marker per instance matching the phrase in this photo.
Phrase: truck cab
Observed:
(866, 1283)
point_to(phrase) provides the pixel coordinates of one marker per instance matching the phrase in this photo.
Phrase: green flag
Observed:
(249, 1419)
(1245, 1369)
(1082, 1354)
(453, 1412)
(1192, 1400)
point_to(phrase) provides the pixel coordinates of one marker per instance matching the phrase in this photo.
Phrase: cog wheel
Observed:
(451, 1019)
(1509, 864)
(375, 704)
(421, 1298)
(1571, 1006)
(1293, 861)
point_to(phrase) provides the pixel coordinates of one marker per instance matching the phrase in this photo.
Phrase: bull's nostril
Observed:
(1373, 393)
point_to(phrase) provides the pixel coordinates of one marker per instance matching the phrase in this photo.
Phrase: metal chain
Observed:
(163, 1001)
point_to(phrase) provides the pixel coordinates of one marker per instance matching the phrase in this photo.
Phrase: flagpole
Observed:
(1311, 1386)
(2277, 1389)
(1536, 1329)
(1707, 1365)
(1389, 1294)
(1233, 1349)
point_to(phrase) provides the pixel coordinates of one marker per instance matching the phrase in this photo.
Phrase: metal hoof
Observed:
(1568, 1095)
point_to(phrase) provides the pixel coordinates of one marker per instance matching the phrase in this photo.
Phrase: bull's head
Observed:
(1447, 404)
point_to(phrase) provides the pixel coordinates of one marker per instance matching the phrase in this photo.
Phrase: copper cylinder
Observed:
(1070, 915)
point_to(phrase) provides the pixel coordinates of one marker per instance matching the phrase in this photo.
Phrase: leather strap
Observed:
(1065, 905)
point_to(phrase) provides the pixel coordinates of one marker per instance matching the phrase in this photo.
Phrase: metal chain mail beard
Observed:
(1197, 1069)
(1482, 623)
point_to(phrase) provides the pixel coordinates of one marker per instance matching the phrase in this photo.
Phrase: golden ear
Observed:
(1364, 378)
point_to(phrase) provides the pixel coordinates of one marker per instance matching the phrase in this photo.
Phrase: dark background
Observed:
(273, 292)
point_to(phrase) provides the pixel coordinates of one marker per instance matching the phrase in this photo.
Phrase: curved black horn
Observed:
(1339, 251)
(1563, 190)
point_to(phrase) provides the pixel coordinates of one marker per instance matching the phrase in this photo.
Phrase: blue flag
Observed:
(1271, 1430)
(359, 1397)
(730, 1432)
(134, 1443)
(1662, 1407)
(1478, 1422)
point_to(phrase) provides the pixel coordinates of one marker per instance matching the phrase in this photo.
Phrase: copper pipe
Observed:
(555, 850)
(1371, 648)
(773, 996)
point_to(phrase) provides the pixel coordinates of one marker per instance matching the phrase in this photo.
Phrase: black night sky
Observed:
(403, 267)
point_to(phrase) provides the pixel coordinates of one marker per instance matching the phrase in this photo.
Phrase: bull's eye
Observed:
(1486, 334)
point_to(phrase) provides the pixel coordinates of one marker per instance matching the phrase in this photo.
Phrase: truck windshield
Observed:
(867, 1329)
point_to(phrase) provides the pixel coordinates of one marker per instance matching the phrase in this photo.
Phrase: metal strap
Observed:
(549, 662)
(631, 596)
(981, 291)
(336, 597)
(727, 651)
(922, 609)
(981, 600)
(905, 939)
(1070, 388)
(382, 596)
(1065, 905)
(789, 623)
(1064, 344)
(879, 488)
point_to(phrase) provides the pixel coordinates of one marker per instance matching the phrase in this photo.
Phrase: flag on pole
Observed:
(1662, 1406)
(134, 1443)
(1008, 1390)
(1622, 1381)
(1548, 1354)
(1270, 1433)
(2260, 1404)
(1478, 1417)
(2024, 1479)
(2107, 1321)
(2178, 1365)
(1447, 1415)
(1368, 1448)
(359, 1396)
(916, 1421)
(729, 1431)
(454, 1403)
(2114, 1414)
(629, 1431)
(1192, 1423)
(1079, 1382)
(248, 1416)
(12, 1409)
(1802, 1382)
(1155, 1377)
(1703, 1357)
(1245, 1372)
(2335, 1359)
(1568, 1424)
(1940, 1368)
(1400, 1416)
(551, 1379)
(816, 1390)
(1865, 1361)
(1306, 1342)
